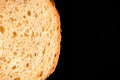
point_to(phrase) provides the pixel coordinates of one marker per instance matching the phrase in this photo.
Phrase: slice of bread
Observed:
(29, 39)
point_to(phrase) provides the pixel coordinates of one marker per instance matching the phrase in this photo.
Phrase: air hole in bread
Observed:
(8, 61)
(32, 35)
(55, 55)
(40, 74)
(12, 19)
(26, 35)
(11, 76)
(43, 51)
(28, 13)
(27, 65)
(13, 68)
(52, 68)
(2, 29)
(31, 56)
(19, 24)
(49, 44)
(35, 54)
(14, 0)
(37, 4)
(6, 0)
(1, 16)
(14, 53)
(41, 12)
(10, 12)
(24, 16)
(14, 34)
(3, 59)
(18, 78)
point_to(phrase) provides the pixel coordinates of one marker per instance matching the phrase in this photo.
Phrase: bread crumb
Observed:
(28, 50)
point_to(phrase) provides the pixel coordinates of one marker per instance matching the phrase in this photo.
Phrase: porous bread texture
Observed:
(29, 39)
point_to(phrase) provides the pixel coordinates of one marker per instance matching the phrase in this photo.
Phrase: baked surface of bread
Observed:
(29, 39)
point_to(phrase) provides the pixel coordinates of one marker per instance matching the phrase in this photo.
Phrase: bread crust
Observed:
(51, 2)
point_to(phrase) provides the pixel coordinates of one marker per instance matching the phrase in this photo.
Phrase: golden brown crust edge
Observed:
(52, 4)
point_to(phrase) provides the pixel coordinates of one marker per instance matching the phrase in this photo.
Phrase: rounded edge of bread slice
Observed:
(17, 13)
(51, 2)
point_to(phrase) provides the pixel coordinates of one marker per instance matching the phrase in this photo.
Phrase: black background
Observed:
(62, 70)
(107, 40)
